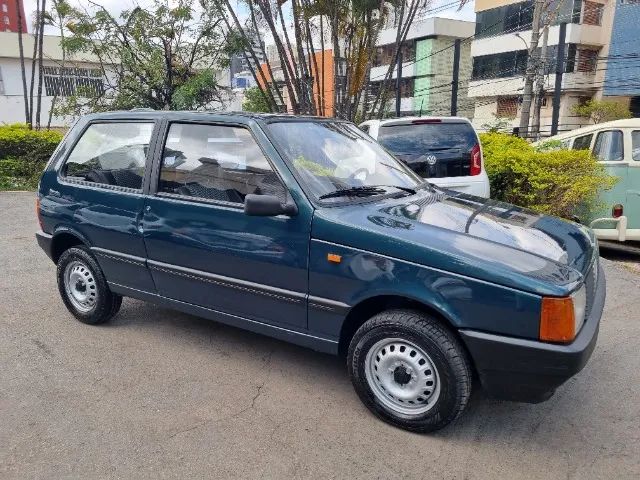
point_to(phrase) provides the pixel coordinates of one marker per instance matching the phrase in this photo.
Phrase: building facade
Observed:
(78, 74)
(500, 51)
(427, 66)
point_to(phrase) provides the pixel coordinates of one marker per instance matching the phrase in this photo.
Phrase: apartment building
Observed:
(78, 74)
(427, 66)
(500, 51)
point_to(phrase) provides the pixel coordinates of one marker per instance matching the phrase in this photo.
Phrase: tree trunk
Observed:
(36, 36)
(61, 76)
(268, 92)
(532, 66)
(40, 71)
(266, 60)
(27, 116)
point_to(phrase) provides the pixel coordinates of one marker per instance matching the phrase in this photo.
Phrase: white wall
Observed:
(12, 99)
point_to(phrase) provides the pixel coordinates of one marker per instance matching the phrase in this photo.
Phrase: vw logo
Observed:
(431, 160)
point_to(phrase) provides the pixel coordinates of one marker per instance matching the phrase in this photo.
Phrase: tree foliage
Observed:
(161, 57)
(345, 29)
(255, 101)
(558, 182)
(602, 110)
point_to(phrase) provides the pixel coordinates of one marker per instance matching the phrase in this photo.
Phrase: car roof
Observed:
(408, 120)
(203, 115)
(625, 123)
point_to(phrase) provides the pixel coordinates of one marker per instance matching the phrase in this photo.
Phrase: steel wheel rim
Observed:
(393, 361)
(80, 286)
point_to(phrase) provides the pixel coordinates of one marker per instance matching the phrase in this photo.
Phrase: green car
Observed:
(617, 145)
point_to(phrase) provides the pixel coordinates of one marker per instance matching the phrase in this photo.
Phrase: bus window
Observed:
(608, 146)
(583, 142)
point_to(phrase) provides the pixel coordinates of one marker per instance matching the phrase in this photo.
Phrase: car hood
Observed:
(471, 236)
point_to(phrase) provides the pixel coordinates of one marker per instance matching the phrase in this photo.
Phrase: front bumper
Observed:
(45, 240)
(530, 371)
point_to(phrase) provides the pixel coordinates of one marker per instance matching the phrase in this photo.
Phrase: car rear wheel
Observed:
(409, 370)
(83, 287)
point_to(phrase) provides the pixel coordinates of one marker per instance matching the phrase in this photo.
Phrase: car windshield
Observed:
(337, 161)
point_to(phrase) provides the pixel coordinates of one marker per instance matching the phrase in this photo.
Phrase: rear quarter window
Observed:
(112, 154)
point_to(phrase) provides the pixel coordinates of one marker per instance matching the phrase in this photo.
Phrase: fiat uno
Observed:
(306, 230)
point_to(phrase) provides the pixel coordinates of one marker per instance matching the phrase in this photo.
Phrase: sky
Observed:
(116, 6)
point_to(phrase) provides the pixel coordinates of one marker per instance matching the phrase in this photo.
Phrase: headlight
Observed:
(579, 299)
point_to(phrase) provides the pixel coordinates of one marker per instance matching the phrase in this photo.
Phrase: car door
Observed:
(632, 206)
(608, 148)
(202, 249)
(100, 197)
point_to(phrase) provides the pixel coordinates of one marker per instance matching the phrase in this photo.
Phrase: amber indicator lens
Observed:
(334, 257)
(557, 323)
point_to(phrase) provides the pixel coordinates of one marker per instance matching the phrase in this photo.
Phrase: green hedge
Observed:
(23, 155)
(556, 182)
(17, 141)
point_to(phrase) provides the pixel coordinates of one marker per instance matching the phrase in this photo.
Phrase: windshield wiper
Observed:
(353, 192)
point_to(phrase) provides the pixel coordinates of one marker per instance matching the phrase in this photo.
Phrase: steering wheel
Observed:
(358, 173)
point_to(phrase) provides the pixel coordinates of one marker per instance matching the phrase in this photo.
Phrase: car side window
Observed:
(583, 142)
(608, 146)
(635, 145)
(216, 162)
(110, 154)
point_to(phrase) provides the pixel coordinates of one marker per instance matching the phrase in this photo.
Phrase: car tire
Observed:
(83, 287)
(410, 370)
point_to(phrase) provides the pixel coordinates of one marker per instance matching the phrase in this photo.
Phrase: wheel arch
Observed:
(367, 308)
(63, 239)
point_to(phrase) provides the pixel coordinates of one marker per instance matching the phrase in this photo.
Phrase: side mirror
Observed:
(267, 206)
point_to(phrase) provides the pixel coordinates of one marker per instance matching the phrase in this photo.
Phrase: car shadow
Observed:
(483, 417)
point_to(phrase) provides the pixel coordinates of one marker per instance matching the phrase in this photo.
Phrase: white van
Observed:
(616, 145)
(444, 150)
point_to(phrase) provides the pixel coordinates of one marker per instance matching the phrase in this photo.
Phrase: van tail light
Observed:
(617, 211)
(476, 160)
(557, 322)
(38, 212)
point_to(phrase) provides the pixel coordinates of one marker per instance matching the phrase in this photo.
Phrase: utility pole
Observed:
(456, 74)
(398, 82)
(537, 106)
(555, 114)
(532, 66)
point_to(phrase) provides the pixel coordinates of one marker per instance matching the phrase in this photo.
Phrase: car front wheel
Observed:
(409, 370)
(84, 289)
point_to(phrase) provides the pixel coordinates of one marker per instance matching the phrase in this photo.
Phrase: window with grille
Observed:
(587, 60)
(72, 81)
(592, 13)
(507, 107)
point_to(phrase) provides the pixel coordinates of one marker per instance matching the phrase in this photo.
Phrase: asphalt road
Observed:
(160, 394)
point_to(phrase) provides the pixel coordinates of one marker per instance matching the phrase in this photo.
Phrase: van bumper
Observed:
(529, 371)
(45, 240)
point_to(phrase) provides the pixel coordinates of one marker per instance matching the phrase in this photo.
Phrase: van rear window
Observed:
(433, 150)
(419, 138)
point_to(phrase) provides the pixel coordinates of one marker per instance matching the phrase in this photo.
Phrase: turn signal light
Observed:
(557, 321)
(617, 210)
